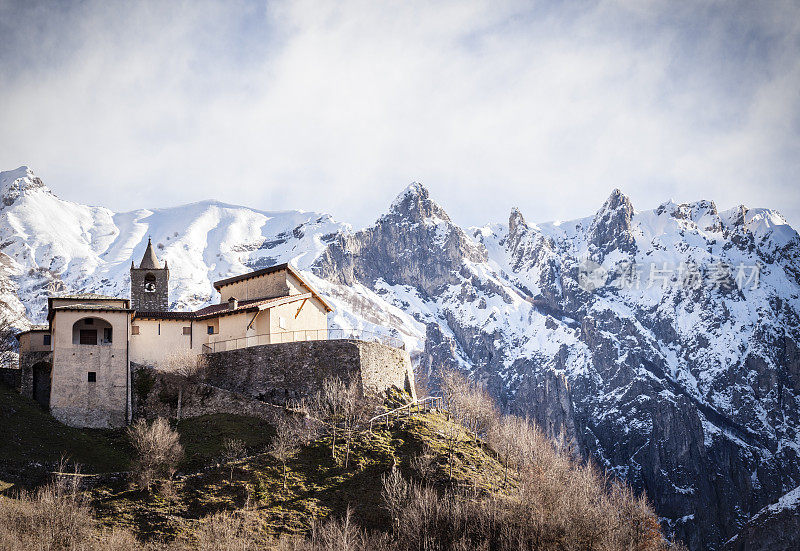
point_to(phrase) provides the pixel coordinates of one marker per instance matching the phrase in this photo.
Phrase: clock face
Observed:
(150, 287)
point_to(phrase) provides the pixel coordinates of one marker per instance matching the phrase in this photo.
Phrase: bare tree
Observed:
(329, 405)
(353, 413)
(395, 494)
(424, 464)
(508, 438)
(187, 367)
(468, 403)
(10, 321)
(158, 451)
(452, 438)
(289, 436)
(341, 535)
(232, 449)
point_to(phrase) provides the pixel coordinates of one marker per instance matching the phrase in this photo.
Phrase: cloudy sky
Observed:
(336, 107)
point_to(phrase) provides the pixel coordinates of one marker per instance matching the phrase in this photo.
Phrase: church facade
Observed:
(78, 365)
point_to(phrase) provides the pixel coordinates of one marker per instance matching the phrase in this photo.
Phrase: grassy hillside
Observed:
(32, 440)
(450, 490)
(317, 486)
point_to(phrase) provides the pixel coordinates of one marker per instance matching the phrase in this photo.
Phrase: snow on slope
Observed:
(57, 245)
(662, 383)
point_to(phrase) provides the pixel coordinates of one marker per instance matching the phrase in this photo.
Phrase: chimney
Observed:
(233, 303)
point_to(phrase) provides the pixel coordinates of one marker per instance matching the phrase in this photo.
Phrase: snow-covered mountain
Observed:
(664, 342)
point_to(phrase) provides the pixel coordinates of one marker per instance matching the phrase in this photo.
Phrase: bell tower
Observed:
(150, 283)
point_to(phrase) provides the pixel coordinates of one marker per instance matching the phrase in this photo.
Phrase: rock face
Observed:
(676, 371)
(389, 251)
(664, 343)
(774, 528)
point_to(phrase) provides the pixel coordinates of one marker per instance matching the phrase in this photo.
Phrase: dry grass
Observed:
(491, 482)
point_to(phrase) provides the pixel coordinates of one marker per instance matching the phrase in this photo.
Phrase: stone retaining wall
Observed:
(277, 373)
(155, 394)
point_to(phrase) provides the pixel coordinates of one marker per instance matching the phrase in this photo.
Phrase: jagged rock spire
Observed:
(149, 260)
(516, 221)
(415, 203)
(611, 227)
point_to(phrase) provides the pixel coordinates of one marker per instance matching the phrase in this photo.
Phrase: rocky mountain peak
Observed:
(617, 201)
(739, 217)
(611, 227)
(415, 203)
(14, 183)
(516, 222)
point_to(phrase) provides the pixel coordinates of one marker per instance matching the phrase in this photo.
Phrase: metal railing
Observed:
(421, 405)
(299, 336)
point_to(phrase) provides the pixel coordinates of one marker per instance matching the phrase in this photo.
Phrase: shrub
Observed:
(158, 451)
(224, 532)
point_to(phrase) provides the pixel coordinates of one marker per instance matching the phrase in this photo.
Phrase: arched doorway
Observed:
(41, 383)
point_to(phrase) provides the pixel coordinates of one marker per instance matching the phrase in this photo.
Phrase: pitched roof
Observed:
(250, 305)
(32, 329)
(224, 309)
(96, 307)
(277, 268)
(248, 275)
(86, 296)
(153, 315)
(149, 260)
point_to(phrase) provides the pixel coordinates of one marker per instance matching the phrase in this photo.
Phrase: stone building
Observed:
(79, 364)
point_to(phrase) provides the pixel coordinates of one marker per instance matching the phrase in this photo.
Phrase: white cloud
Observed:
(307, 105)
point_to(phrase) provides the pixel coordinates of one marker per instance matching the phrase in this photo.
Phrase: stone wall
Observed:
(384, 366)
(144, 301)
(26, 362)
(155, 394)
(289, 371)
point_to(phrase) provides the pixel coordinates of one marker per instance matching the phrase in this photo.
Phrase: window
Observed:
(88, 336)
(187, 330)
(281, 322)
(46, 340)
(92, 377)
(107, 335)
(134, 329)
(210, 329)
(89, 321)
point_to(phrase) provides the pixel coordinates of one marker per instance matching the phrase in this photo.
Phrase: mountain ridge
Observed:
(594, 327)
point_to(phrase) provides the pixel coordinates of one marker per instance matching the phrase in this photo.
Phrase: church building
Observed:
(78, 365)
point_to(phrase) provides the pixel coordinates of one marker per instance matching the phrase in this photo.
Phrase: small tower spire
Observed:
(149, 260)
